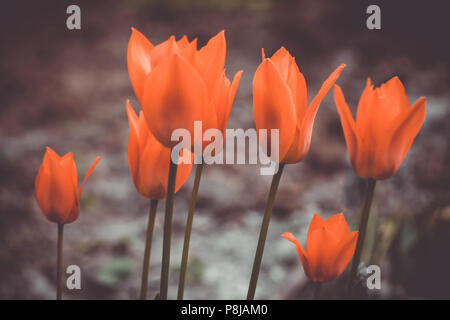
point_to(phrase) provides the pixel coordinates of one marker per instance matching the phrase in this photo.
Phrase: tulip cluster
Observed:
(177, 84)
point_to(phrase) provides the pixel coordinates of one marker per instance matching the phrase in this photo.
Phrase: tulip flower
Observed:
(378, 140)
(280, 102)
(384, 130)
(58, 197)
(329, 247)
(149, 160)
(176, 84)
(56, 187)
(149, 166)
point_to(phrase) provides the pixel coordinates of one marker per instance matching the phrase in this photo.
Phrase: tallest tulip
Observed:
(176, 84)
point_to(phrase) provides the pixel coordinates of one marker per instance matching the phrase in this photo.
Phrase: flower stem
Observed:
(187, 234)
(365, 212)
(148, 248)
(59, 261)
(263, 233)
(168, 227)
(318, 287)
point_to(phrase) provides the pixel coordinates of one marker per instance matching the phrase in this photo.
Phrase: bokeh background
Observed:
(67, 89)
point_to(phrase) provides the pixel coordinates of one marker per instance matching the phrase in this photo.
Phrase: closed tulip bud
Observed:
(56, 189)
(176, 84)
(384, 130)
(149, 160)
(329, 247)
(280, 102)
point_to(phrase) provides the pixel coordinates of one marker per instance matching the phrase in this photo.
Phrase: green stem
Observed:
(187, 234)
(365, 212)
(168, 227)
(59, 261)
(263, 233)
(148, 248)
(318, 287)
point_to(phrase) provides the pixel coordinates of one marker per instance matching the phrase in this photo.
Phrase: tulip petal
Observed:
(346, 249)
(300, 251)
(326, 86)
(228, 92)
(161, 170)
(405, 128)
(153, 170)
(316, 223)
(302, 140)
(234, 86)
(308, 120)
(138, 59)
(211, 59)
(348, 125)
(175, 96)
(408, 129)
(321, 248)
(364, 110)
(164, 50)
(282, 60)
(394, 90)
(300, 92)
(88, 173)
(189, 52)
(273, 107)
(69, 166)
(337, 225)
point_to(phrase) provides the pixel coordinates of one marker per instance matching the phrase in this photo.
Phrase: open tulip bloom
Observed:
(384, 130)
(329, 247)
(378, 140)
(176, 85)
(280, 103)
(58, 196)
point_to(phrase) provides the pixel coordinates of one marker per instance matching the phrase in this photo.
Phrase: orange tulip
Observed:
(329, 247)
(385, 127)
(176, 84)
(149, 160)
(280, 102)
(56, 187)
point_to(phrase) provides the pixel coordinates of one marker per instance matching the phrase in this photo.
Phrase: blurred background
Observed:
(67, 90)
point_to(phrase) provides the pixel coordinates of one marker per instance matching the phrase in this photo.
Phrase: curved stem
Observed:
(168, 227)
(365, 212)
(187, 234)
(263, 233)
(59, 261)
(148, 248)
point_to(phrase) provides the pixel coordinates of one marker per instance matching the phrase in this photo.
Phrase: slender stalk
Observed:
(148, 248)
(365, 212)
(59, 261)
(318, 287)
(168, 228)
(263, 233)
(187, 234)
